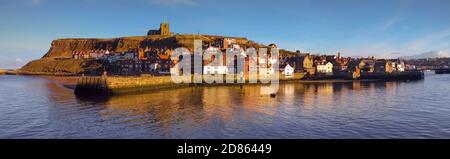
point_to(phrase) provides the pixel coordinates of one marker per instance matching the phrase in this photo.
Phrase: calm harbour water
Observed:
(36, 107)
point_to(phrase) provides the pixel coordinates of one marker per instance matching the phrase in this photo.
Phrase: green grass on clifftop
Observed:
(67, 66)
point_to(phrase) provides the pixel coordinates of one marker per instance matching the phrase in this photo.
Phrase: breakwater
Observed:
(132, 84)
(413, 75)
(91, 85)
(442, 71)
(118, 85)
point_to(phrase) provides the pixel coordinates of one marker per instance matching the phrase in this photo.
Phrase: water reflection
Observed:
(300, 110)
(204, 110)
(200, 105)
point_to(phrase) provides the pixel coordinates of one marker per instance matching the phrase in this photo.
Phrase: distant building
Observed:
(302, 63)
(164, 63)
(222, 42)
(273, 46)
(409, 67)
(325, 68)
(354, 68)
(164, 30)
(228, 43)
(383, 66)
(308, 64)
(367, 65)
(141, 54)
(288, 71)
(399, 66)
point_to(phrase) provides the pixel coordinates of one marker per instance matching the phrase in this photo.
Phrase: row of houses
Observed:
(338, 66)
(140, 61)
(158, 61)
(132, 62)
(96, 54)
(216, 62)
(367, 66)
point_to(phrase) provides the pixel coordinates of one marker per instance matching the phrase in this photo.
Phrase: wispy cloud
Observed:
(390, 48)
(389, 23)
(382, 49)
(173, 3)
(435, 41)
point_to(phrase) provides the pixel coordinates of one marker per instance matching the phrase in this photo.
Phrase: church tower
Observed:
(164, 28)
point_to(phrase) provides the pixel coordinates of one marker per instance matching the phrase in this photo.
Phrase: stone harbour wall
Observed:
(128, 84)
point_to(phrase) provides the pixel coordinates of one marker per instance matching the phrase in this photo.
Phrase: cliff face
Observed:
(63, 48)
(59, 57)
(62, 66)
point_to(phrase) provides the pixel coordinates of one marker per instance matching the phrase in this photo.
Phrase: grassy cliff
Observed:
(60, 67)
(58, 58)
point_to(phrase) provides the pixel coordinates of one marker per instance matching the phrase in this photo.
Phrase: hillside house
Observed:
(325, 68)
(383, 67)
(288, 71)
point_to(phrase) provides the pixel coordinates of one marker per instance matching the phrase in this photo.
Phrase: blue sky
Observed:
(353, 27)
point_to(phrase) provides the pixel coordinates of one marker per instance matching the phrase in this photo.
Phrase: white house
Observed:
(288, 71)
(154, 66)
(215, 70)
(229, 41)
(325, 68)
(400, 66)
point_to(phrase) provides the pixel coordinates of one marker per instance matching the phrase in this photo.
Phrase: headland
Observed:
(146, 62)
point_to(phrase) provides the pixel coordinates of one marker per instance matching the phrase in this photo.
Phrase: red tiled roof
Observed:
(163, 57)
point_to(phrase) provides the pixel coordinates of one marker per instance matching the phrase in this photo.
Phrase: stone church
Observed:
(164, 30)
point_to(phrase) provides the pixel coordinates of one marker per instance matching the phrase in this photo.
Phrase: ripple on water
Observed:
(33, 107)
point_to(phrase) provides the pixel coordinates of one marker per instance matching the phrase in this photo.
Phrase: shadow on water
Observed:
(93, 98)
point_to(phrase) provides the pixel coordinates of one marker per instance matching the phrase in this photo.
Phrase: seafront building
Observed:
(325, 68)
